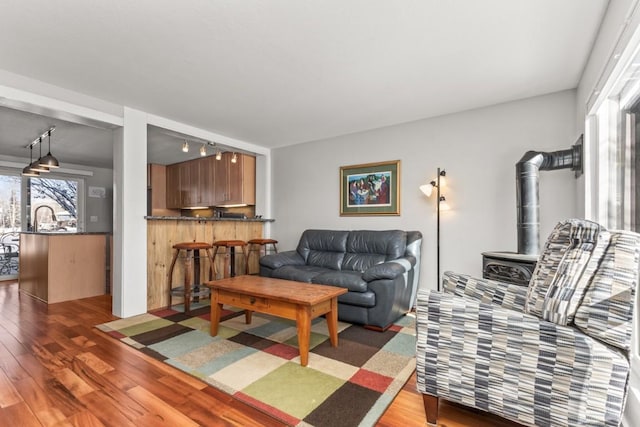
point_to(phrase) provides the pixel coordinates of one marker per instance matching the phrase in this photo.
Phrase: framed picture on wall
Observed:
(370, 189)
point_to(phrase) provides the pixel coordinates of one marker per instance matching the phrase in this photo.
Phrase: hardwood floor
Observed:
(57, 370)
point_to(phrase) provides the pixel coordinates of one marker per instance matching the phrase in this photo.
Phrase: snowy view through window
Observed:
(9, 224)
(54, 204)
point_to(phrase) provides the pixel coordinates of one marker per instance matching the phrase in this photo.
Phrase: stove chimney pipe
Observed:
(527, 197)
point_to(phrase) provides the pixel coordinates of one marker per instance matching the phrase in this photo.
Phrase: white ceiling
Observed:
(283, 72)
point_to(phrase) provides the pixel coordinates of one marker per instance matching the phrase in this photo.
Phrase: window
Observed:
(54, 204)
(612, 196)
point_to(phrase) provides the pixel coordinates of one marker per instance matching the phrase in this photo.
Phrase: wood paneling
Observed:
(163, 234)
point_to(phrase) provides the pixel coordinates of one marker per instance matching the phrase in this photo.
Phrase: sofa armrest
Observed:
(505, 295)
(280, 259)
(389, 270)
(502, 361)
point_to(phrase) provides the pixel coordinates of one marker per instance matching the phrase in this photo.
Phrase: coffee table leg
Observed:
(303, 324)
(332, 322)
(216, 309)
(247, 316)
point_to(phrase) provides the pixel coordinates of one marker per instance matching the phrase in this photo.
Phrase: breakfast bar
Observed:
(165, 231)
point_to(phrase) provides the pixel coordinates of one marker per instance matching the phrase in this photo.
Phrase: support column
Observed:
(129, 226)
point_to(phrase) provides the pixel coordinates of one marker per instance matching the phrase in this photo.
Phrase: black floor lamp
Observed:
(441, 205)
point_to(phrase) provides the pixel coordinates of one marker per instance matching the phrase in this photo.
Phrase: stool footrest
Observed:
(202, 291)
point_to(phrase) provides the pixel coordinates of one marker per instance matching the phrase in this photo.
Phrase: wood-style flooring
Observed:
(56, 369)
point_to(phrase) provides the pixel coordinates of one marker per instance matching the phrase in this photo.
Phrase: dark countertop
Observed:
(203, 218)
(64, 233)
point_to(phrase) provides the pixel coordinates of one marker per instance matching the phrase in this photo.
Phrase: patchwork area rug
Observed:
(259, 363)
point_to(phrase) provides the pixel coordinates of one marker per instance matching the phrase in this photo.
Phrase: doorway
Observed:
(10, 224)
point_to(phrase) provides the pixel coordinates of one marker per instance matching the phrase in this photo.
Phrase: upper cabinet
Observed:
(235, 182)
(210, 182)
(174, 201)
(157, 179)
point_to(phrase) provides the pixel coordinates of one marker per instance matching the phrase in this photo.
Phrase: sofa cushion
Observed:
(390, 243)
(332, 260)
(361, 262)
(606, 311)
(352, 280)
(299, 273)
(570, 257)
(323, 241)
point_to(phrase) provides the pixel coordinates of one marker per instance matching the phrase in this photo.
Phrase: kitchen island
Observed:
(165, 231)
(56, 267)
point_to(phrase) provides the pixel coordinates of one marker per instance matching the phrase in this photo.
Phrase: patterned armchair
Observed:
(554, 353)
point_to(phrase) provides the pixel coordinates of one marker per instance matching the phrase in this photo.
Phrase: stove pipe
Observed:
(528, 203)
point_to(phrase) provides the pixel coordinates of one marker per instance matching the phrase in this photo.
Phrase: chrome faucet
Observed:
(35, 216)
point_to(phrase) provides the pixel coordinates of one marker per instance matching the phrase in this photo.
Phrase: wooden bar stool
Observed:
(261, 246)
(191, 260)
(229, 255)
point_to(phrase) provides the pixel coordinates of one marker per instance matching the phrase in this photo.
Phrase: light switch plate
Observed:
(93, 218)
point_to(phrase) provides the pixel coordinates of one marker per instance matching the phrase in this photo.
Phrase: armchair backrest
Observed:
(606, 312)
(567, 263)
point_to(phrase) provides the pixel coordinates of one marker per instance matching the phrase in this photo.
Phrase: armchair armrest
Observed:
(389, 270)
(502, 294)
(515, 364)
(280, 259)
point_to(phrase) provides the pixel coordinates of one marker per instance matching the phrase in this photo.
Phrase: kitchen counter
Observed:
(67, 233)
(56, 267)
(202, 218)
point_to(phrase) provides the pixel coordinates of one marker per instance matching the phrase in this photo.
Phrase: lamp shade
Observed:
(444, 206)
(49, 161)
(427, 189)
(28, 172)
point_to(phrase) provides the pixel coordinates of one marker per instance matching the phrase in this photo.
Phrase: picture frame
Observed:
(370, 189)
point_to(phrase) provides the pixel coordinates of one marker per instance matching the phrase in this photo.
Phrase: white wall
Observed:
(479, 150)
(101, 208)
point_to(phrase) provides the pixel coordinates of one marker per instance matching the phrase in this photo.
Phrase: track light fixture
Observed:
(234, 158)
(203, 150)
(185, 146)
(43, 164)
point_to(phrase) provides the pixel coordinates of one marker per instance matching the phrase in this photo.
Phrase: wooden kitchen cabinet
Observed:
(206, 181)
(210, 182)
(235, 183)
(186, 171)
(157, 186)
(174, 200)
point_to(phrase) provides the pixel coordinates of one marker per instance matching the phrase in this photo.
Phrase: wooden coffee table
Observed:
(282, 298)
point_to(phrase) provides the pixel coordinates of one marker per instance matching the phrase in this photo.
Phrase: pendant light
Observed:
(35, 165)
(49, 161)
(27, 171)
